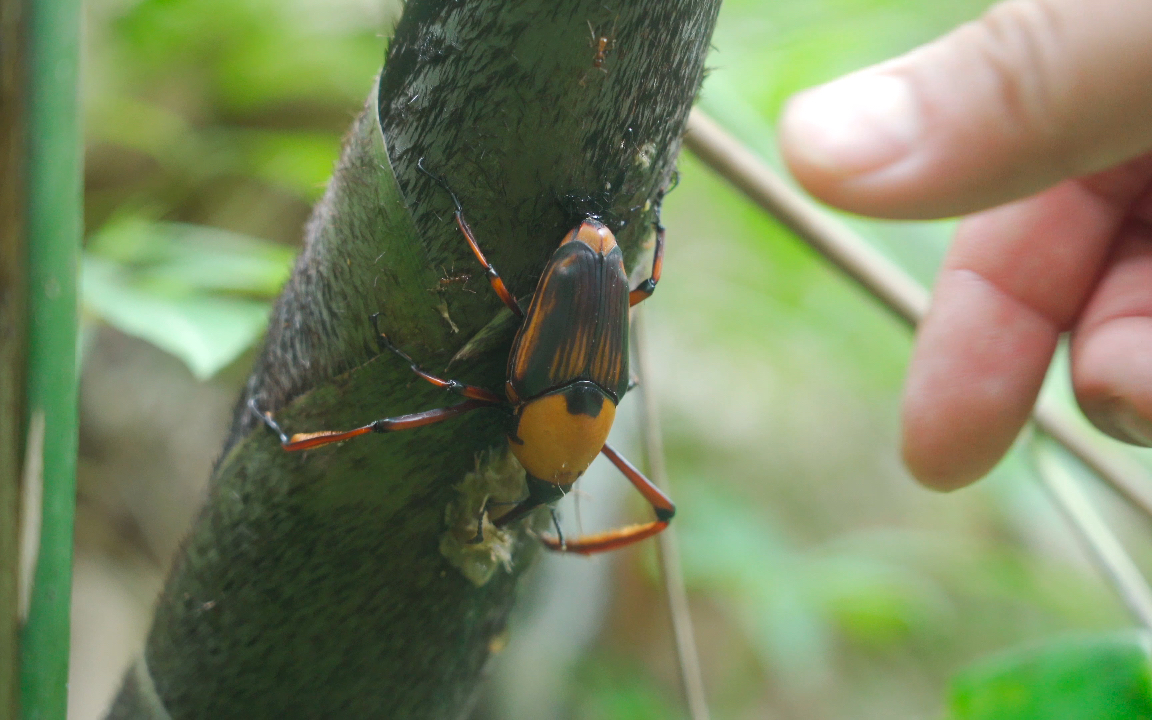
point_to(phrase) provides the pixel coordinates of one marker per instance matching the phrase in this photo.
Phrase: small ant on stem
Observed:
(452, 278)
(602, 44)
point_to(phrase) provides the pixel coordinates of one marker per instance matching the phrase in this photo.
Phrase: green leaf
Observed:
(197, 292)
(1084, 678)
(179, 257)
(207, 332)
(207, 258)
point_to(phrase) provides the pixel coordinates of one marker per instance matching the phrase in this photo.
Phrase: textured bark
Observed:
(312, 584)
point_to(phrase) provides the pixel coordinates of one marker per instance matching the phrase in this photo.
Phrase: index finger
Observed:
(1014, 279)
(1034, 92)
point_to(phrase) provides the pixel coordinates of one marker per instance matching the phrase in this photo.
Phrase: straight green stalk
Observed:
(54, 228)
(13, 346)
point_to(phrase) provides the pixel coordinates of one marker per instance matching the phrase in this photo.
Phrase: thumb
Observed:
(1033, 92)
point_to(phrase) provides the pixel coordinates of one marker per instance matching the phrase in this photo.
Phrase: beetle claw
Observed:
(266, 418)
(479, 538)
(381, 339)
(559, 532)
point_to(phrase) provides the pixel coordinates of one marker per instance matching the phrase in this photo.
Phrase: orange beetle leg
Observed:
(493, 276)
(645, 289)
(306, 441)
(601, 542)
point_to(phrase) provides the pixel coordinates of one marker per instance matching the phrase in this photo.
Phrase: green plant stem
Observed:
(54, 227)
(13, 345)
(313, 584)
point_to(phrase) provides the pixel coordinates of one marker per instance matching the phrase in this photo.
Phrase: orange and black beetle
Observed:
(567, 371)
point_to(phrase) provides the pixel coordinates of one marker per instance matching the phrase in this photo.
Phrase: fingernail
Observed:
(1127, 421)
(853, 125)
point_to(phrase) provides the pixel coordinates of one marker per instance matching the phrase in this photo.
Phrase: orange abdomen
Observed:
(559, 434)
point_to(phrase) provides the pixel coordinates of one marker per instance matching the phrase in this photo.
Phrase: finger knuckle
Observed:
(1021, 42)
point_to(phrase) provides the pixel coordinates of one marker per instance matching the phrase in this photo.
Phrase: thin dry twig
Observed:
(815, 226)
(669, 552)
(889, 283)
(1106, 549)
(1120, 470)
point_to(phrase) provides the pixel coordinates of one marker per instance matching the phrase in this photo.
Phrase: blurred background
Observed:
(824, 582)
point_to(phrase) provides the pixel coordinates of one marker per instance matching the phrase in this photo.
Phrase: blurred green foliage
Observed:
(855, 593)
(198, 292)
(619, 690)
(211, 124)
(1107, 678)
(825, 583)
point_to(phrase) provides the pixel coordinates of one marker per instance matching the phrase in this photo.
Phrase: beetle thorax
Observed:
(559, 434)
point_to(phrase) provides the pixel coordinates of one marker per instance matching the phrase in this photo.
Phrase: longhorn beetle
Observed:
(567, 371)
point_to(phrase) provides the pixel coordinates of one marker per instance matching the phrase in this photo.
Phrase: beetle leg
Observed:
(539, 493)
(469, 391)
(601, 542)
(479, 537)
(559, 532)
(306, 441)
(522, 508)
(493, 276)
(645, 289)
(605, 541)
(660, 502)
(488, 502)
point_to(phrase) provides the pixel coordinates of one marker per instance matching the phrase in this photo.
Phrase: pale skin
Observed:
(1035, 122)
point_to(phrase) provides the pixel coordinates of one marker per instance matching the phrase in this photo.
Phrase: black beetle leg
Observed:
(266, 418)
(469, 391)
(488, 501)
(559, 532)
(493, 276)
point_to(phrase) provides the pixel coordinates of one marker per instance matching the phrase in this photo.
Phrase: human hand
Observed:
(1045, 100)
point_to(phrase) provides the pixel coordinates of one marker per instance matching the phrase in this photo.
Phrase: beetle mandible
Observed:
(567, 371)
